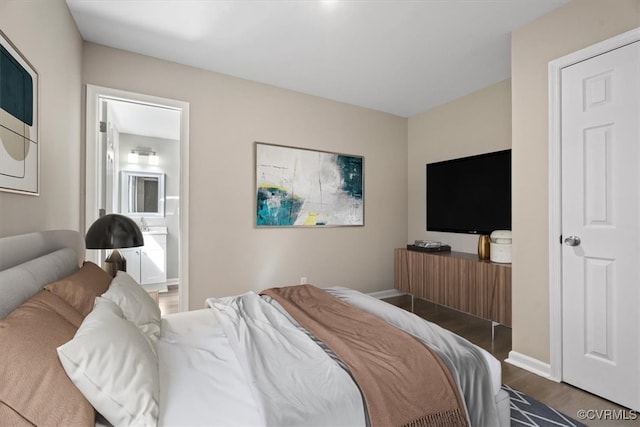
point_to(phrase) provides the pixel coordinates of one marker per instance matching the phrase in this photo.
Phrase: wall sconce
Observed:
(132, 157)
(153, 159)
(139, 154)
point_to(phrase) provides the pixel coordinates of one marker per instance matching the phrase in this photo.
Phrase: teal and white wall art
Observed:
(298, 187)
(19, 151)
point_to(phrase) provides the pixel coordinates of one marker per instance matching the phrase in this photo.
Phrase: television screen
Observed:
(470, 194)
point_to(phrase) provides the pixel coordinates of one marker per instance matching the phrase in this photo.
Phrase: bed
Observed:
(88, 344)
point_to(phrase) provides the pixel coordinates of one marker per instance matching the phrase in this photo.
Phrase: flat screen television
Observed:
(470, 194)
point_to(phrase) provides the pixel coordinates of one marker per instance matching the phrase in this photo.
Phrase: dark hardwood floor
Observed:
(562, 397)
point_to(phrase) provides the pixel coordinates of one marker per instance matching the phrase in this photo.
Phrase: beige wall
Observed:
(474, 124)
(579, 24)
(227, 254)
(46, 35)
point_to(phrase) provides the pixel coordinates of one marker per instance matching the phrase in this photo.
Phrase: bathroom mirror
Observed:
(142, 193)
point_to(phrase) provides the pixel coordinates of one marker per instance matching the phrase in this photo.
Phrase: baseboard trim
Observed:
(388, 293)
(530, 364)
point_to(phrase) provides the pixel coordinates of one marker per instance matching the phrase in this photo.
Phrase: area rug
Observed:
(526, 411)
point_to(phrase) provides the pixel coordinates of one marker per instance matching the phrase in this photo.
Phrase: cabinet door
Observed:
(132, 256)
(152, 265)
(410, 273)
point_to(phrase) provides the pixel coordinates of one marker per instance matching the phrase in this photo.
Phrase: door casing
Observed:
(555, 181)
(92, 128)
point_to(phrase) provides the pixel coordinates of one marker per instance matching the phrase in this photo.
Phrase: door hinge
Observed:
(103, 126)
(561, 239)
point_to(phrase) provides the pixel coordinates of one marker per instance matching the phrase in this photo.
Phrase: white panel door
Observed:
(601, 225)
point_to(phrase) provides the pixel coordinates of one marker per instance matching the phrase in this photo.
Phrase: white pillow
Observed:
(114, 366)
(136, 304)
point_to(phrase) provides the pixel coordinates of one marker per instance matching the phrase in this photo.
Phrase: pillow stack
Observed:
(112, 359)
(85, 343)
(136, 304)
(81, 288)
(35, 389)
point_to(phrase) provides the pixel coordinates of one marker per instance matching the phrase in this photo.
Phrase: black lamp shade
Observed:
(113, 231)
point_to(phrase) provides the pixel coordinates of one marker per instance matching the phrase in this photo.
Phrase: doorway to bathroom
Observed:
(136, 165)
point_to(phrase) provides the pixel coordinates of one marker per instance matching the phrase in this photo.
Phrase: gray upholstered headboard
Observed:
(30, 261)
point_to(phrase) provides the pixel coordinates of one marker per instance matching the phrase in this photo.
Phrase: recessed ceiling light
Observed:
(329, 4)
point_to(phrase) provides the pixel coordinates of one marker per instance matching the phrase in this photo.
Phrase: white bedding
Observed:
(203, 382)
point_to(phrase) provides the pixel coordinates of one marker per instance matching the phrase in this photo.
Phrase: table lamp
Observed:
(114, 231)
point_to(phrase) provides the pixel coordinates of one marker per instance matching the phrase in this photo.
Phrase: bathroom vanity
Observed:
(148, 264)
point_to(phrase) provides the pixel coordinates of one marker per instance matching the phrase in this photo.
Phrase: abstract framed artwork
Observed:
(299, 187)
(19, 150)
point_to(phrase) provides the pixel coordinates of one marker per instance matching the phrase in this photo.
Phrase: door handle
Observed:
(572, 241)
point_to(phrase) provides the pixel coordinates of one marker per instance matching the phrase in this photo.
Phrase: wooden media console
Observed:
(457, 280)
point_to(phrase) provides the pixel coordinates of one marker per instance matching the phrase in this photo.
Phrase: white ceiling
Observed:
(145, 120)
(402, 57)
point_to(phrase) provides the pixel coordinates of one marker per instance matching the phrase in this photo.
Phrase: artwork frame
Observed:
(19, 122)
(306, 188)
